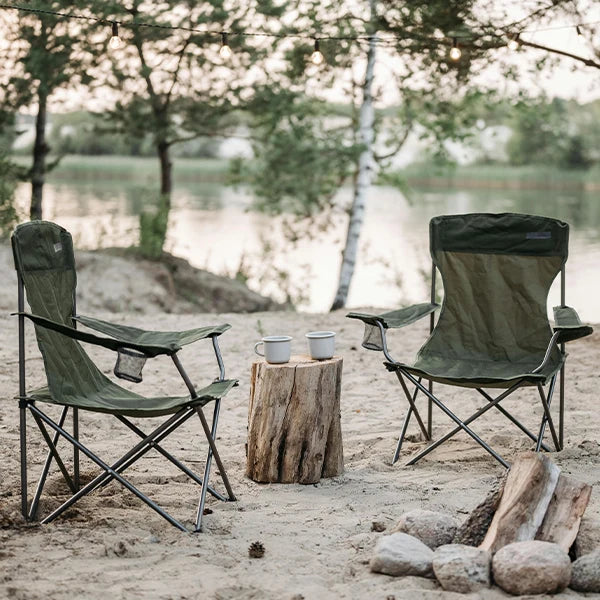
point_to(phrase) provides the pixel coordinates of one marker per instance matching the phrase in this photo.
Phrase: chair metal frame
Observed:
(463, 425)
(114, 471)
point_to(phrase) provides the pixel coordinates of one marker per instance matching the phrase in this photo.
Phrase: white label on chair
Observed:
(57, 247)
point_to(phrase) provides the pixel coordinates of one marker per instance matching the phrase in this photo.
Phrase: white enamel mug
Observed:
(321, 344)
(277, 348)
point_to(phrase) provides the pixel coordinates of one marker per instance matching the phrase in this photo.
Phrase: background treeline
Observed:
(543, 131)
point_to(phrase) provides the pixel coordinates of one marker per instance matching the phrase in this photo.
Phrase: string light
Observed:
(115, 40)
(225, 51)
(455, 52)
(513, 43)
(317, 57)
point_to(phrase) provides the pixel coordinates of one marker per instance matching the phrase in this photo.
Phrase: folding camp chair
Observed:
(493, 330)
(45, 264)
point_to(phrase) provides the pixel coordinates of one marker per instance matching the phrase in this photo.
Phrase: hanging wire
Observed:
(293, 35)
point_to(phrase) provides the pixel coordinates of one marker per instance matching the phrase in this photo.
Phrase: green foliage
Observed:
(153, 229)
(549, 133)
(8, 212)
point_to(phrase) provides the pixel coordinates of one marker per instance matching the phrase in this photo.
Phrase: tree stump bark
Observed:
(294, 431)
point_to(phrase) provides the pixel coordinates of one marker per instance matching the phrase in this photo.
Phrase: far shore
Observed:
(215, 170)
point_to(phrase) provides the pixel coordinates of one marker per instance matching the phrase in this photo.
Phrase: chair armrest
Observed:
(148, 349)
(397, 318)
(172, 340)
(568, 324)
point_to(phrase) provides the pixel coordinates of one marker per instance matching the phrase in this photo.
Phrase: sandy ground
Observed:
(318, 538)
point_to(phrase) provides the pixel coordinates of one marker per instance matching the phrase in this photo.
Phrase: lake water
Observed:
(213, 226)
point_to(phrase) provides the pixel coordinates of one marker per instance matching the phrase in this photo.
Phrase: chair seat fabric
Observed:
(114, 399)
(478, 373)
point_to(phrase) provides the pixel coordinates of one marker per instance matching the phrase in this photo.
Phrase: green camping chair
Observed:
(45, 264)
(493, 330)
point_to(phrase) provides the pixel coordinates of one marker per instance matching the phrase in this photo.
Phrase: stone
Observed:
(586, 573)
(531, 567)
(401, 554)
(588, 538)
(460, 568)
(432, 528)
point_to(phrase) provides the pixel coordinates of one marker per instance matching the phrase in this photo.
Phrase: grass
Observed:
(76, 167)
(501, 176)
(215, 170)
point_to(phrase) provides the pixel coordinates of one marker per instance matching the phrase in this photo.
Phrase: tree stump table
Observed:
(294, 431)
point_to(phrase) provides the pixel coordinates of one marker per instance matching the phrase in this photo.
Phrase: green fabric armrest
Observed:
(397, 318)
(150, 343)
(173, 340)
(84, 336)
(567, 322)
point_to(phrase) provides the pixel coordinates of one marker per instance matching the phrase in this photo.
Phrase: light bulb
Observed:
(115, 40)
(455, 52)
(225, 51)
(317, 57)
(513, 43)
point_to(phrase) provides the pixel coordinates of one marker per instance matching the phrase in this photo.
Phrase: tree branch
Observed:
(586, 61)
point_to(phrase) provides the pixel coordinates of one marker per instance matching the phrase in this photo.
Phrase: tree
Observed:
(174, 82)
(44, 54)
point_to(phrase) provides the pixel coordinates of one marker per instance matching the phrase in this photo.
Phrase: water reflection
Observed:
(211, 225)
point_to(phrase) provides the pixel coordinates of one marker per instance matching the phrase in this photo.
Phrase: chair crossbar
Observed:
(113, 472)
(109, 471)
(405, 426)
(543, 423)
(461, 425)
(411, 401)
(46, 468)
(154, 444)
(548, 416)
(514, 420)
(54, 452)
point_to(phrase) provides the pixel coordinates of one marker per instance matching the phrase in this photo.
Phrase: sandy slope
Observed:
(318, 538)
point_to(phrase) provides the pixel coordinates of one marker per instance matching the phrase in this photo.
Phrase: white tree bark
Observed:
(364, 176)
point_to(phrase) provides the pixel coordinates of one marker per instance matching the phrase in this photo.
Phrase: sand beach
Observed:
(318, 538)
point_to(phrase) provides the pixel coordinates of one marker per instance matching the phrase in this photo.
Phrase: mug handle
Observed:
(256, 348)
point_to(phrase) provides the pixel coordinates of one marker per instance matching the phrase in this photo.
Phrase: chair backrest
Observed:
(497, 270)
(45, 263)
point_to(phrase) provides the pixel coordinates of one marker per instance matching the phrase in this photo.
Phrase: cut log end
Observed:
(294, 430)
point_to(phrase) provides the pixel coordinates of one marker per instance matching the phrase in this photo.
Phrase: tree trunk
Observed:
(166, 169)
(40, 150)
(363, 178)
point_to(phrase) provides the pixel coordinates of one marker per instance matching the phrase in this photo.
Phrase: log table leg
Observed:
(294, 432)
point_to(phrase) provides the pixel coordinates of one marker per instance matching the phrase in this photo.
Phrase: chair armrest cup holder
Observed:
(129, 364)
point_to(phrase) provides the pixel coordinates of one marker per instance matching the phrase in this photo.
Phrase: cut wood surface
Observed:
(564, 513)
(527, 493)
(294, 431)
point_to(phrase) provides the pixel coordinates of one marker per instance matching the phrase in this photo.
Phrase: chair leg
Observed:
(23, 444)
(215, 452)
(42, 480)
(430, 411)
(561, 413)
(76, 478)
(405, 426)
